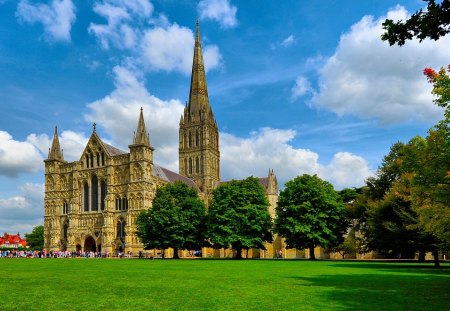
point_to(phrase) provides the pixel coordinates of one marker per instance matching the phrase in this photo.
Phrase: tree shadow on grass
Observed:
(414, 268)
(383, 291)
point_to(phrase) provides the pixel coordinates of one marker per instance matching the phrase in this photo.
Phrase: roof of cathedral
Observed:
(170, 176)
(113, 150)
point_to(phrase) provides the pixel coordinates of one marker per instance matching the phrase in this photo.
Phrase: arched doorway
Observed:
(89, 244)
(78, 248)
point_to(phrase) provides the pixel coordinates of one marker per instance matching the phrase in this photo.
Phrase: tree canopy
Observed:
(432, 23)
(35, 239)
(310, 213)
(239, 217)
(176, 219)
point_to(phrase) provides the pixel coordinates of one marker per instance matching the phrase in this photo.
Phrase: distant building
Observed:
(12, 241)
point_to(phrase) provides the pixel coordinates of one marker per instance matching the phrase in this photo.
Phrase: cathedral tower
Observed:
(199, 154)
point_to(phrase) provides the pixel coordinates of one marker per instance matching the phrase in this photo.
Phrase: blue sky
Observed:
(296, 86)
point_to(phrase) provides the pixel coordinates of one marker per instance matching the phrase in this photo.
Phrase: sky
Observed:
(296, 86)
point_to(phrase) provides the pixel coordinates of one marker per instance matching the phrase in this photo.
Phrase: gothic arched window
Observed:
(190, 165)
(121, 228)
(94, 186)
(197, 165)
(102, 195)
(86, 196)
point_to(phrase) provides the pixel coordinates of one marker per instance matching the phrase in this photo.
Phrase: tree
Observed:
(35, 239)
(432, 23)
(239, 217)
(176, 219)
(309, 214)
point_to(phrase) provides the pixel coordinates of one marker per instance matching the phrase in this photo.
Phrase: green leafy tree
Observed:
(309, 214)
(432, 23)
(35, 239)
(348, 247)
(429, 169)
(239, 216)
(176, 219)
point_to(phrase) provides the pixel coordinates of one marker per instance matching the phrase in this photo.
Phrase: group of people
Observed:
(51, 254)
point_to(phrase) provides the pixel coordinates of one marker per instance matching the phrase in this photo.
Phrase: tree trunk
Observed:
(436, 259)
(175, 253)
(312, 256)
(421, 256)
(238, 253)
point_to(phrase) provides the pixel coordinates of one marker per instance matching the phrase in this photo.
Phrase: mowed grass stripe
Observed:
(132, 284)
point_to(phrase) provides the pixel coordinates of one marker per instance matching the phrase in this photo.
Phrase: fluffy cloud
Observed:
(119, 14)
(22, 212)
(368, 78)
(171, 48)
(18, 156)
(346, 170)
(118, 115)
(271, 148)
(218, 10)
(301, 87)
(163, 46)
(56, 17)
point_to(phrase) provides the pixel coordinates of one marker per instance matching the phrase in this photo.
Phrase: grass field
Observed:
(133, 284)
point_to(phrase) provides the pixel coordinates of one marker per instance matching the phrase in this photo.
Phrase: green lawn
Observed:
(133, 284)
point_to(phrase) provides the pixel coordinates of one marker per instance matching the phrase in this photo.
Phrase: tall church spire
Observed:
(55, 152)
(199, 154)
(141, 136)
(198, 95)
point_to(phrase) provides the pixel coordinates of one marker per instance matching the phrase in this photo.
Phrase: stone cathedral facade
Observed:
(92, 204)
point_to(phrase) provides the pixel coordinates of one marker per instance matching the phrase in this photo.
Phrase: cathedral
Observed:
(92, 204)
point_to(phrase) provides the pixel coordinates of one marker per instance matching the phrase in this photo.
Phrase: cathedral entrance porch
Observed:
(89, 245)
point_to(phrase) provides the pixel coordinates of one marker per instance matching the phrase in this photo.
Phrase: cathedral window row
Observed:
(121, 204)
(192, 139)
(94, 195)
(94, 159)
(192, 166)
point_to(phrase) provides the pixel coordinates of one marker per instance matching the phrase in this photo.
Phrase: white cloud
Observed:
(271, 148)
(18, 156)
(22, 212)
(168, 48)
(162, 46)
(218, 10)
(56, 17)
(171, 48)
(301, 87)
(368, 78)
(211, 57)
(118, 115)
(288, 41)
(346, 170)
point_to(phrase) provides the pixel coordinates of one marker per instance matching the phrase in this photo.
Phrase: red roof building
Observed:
(12, 241)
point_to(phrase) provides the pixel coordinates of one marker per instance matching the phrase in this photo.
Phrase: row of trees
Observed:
(309, 214)
(405, 208)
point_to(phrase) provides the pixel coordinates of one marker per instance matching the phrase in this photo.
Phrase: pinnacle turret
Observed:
(141, 136)
(55, 152)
